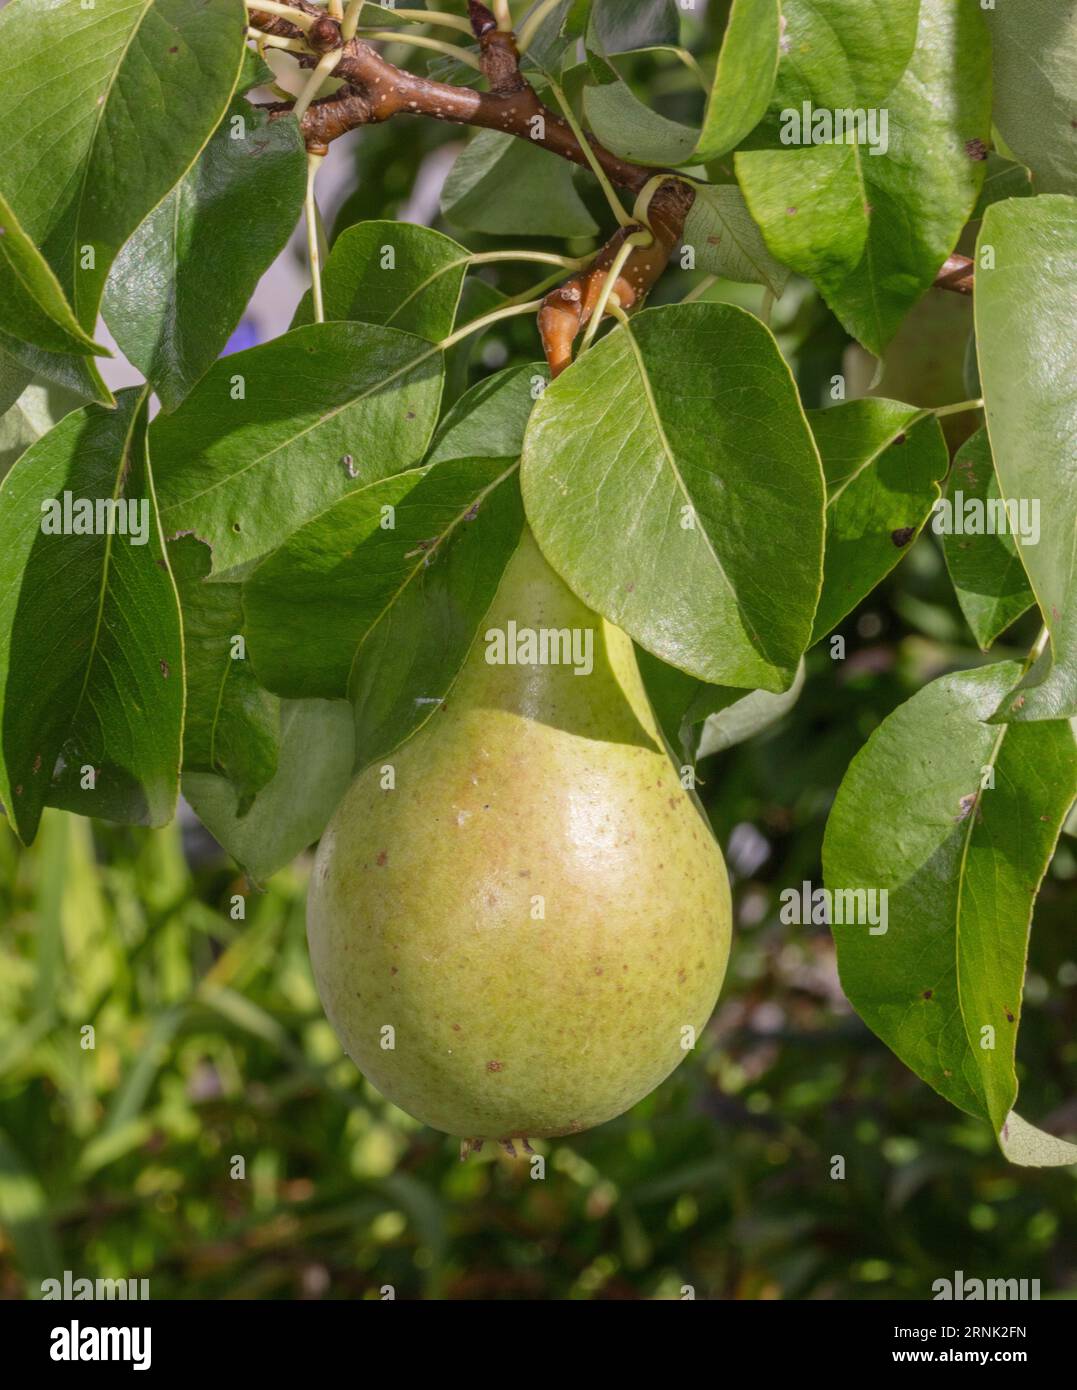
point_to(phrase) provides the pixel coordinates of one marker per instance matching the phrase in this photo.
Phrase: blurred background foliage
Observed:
(119, 1161)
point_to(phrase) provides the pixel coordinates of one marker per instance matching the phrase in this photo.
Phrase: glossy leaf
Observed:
(705, 546)
(505, 186)
(963, 819)
(883, 466)
(1026, 334)
(1034, 59)
(744, 81)
(32, 304)
(232, 724)
(325, 409)
(83, 159)
(872, 229)
(90, 642)
(180, 285)
(986, 570)
(727, 242)
(68, 372)
(317, 747)
(843, 52)
(393, 273)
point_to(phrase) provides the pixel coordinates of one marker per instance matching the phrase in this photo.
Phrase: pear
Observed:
(524, 929)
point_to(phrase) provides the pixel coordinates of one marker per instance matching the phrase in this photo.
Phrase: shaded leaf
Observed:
(317, 746)
(505, 186)
(232, 724)
(90, 642)
(883, 463)
(409, 658)
(35, 412)
(628, 127)
(32, 304)
(727, 241)
(961, 863)
(180, 285)
(986, 570)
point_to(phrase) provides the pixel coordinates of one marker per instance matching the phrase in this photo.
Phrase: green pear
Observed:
(523, 928)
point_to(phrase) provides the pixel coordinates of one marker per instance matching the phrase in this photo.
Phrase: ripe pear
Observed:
(527, 931)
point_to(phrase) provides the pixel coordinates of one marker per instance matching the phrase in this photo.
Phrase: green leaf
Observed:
(505, 186)
(986, 570)
(1002, 179)
(90, 642)
(32, 304)
(1026, 334)
(872, 229)
(744, 81)
(626, 26)
(883, 463)
(961, 863)
(319, 405)
(1034, 47)
(317, 752)
(35, 412)
(309, 604)
(746, 716)
(843, 52)
(727, 242)
(633, 130)
(14, 379)
(232, 724)
(490, 420)
(406, 567)
(392, 273)
(409, 658)
(91, 143)
(180, 285)
(704, 545)
(78, 375)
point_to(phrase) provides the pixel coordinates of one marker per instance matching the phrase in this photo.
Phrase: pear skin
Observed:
(527, 932)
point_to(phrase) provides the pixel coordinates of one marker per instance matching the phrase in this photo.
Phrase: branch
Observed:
(376, 90)
(956, 274)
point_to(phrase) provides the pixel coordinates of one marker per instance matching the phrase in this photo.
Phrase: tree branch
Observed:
(376, 90)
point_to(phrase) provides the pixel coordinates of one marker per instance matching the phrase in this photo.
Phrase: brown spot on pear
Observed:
(579, 786)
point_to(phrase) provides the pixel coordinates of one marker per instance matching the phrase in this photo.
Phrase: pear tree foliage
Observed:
(261, 570)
